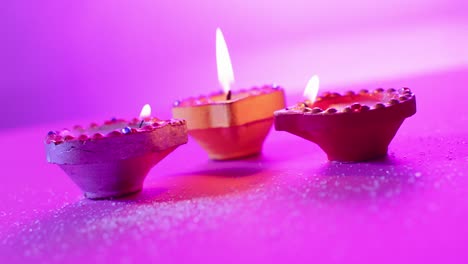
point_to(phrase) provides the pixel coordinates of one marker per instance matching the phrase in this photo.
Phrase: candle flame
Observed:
(223, 62)
(312, 88)
(145, 111)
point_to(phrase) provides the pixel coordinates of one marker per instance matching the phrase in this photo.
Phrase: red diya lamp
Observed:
(113, 159)
(230, 125)
(349, 127)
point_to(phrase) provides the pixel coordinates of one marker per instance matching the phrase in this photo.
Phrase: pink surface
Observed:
(96, 59)
(289, 204)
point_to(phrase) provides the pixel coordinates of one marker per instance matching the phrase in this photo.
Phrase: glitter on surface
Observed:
(289, 204)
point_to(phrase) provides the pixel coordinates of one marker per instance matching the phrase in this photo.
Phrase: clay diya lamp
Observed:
(349, 127)
(235, 128)
(230, 125)
(113, 159)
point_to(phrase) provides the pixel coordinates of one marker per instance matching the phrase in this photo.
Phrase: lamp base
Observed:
(113, 179)
(236, 142)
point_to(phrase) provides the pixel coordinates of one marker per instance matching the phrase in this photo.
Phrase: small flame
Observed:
(223, 62)
(312, 88)
(145, 111)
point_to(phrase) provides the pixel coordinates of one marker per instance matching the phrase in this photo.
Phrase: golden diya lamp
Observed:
(230, 125)
(349, 127)
(113, 159)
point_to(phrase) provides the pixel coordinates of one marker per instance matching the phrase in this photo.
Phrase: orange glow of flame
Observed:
(223, 62)
(145, 111)
(312, 88)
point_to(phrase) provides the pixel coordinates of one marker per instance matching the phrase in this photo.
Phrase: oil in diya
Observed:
(230, 125)
(113, 159)
(349, 127)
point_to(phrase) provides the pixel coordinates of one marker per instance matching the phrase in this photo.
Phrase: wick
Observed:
(229, 95)
(141, 123)
(305, 104)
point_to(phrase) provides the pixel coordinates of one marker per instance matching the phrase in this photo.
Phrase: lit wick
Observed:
(223, 64)
(145, 112)
(311, 90)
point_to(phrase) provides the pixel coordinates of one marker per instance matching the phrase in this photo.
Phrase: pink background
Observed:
(63, 61)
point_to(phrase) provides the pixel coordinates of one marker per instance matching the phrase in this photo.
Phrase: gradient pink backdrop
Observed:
(97, 59)
(64, 63)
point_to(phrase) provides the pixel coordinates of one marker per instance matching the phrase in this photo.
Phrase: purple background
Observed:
(98, 59)
(63, 63)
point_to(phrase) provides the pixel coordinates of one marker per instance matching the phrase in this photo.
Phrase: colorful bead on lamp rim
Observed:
(353, 127)
(113, 159)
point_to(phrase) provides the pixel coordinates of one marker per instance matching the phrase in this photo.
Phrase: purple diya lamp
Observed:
(113, 159)
(350, 127)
